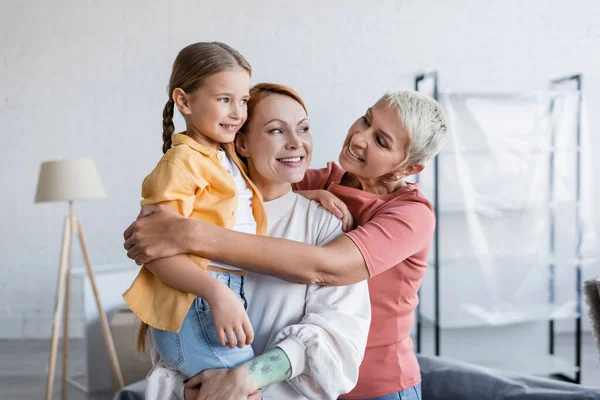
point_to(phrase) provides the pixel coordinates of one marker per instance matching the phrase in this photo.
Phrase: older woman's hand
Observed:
(331, 203)
(337, 207)
(222, 384)
(158, 232)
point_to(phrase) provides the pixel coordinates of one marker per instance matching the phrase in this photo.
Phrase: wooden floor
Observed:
(23, 369)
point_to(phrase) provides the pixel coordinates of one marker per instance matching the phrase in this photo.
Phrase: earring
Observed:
(397, 177)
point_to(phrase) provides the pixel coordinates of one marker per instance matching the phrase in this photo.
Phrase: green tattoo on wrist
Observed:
(268, 368)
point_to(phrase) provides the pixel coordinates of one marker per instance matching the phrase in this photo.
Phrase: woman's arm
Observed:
(385, 241)
(338, 263)
(161, 232)
(243, 380)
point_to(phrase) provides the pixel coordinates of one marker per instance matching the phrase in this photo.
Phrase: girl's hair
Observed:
(258, 93)
(142, 335)
(193, 65)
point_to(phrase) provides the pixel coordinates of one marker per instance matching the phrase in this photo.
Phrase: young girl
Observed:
(192, 317)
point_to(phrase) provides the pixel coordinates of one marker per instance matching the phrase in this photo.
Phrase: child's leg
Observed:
(196, 346)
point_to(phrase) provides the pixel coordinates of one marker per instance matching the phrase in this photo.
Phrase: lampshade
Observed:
(69, 180)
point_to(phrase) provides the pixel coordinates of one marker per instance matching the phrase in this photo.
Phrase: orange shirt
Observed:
(191, 180)
(393, 234)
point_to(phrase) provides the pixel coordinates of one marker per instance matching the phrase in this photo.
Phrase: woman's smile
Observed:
(292, 161)
(353, 156)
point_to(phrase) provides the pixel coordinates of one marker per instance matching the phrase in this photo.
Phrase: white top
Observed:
(322, 329)
(244, 219)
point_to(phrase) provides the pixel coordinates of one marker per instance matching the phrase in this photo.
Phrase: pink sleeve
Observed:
(394, 234)
(316, 179)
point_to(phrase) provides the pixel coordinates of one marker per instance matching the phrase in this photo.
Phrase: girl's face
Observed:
(277, 142)
(215, 112)
(376, 143)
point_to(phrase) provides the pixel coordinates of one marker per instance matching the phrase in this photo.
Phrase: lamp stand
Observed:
(61, 308)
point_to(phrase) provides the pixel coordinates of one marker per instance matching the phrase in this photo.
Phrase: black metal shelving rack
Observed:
(573, 80)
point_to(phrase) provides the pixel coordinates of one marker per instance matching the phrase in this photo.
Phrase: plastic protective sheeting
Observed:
(515, 209)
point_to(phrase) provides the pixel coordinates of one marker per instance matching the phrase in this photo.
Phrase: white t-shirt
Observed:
(244, 219)
(322, 329)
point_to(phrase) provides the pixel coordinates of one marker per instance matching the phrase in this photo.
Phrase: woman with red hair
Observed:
(309, 339)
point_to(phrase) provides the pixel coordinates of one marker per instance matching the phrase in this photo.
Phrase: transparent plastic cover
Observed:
(515, 208)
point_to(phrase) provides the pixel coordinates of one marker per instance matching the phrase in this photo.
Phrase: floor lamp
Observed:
(72, 180)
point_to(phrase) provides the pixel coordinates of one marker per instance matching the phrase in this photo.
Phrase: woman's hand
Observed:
(230, 318)
(222, 384)
(337, 207)
(158, 232)
(332, 204)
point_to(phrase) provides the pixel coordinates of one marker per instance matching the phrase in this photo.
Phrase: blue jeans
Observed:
(413, 393)
(196, 347)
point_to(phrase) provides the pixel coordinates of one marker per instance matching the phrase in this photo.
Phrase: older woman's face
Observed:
(277, 141)
(376, 143)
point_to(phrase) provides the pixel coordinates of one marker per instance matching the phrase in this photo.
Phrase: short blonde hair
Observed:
(423, 118)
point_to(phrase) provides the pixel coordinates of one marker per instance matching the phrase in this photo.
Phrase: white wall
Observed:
(88, 79)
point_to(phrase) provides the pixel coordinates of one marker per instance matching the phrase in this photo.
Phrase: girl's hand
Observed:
(230, 318)
(337, 207)
(158, 232)
(222, 384)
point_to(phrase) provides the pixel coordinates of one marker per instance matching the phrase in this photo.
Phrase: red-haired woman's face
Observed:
(276, 141)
